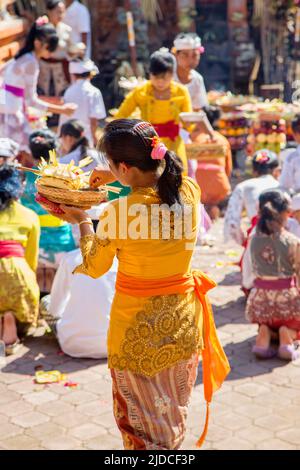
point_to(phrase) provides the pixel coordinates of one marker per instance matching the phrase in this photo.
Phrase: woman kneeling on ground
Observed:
(274, 302)
(19, 247)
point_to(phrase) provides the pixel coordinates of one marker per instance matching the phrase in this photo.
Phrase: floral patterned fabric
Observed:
(275, 257)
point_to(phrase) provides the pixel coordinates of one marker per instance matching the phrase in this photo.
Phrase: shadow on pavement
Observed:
(243, 363)
(43, 353)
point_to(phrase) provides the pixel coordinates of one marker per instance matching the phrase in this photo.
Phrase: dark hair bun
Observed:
(272, 203)
(10, 185)
(130, 141)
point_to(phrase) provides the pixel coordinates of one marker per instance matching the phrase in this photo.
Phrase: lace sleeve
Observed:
(97, 254)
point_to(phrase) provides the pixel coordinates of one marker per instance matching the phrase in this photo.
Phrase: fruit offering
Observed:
(235, 127)
(269, 134)
(67, 184)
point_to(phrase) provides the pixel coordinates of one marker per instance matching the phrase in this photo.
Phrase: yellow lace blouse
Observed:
(148, 334)
(159, 111)
(22, 225)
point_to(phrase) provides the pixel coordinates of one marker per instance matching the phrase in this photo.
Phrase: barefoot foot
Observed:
(9, 333)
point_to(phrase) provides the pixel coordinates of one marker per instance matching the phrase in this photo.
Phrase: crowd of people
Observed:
(136, 300)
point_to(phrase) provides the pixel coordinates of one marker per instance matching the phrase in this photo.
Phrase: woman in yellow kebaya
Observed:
(160, 101)
(161, 321)
(19, 247)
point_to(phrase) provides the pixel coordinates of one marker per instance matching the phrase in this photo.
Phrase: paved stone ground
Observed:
(257, 408)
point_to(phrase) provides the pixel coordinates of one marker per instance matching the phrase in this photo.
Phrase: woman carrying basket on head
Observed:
(161, 320)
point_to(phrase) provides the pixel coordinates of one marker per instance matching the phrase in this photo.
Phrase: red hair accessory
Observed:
(159, 149)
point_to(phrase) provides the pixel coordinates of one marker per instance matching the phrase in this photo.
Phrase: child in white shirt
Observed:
(188, 50)
(88, 98)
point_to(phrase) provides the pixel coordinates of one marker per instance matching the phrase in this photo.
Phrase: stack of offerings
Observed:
(267, 134)
(269, 128)
(235, 126)
(67, 184)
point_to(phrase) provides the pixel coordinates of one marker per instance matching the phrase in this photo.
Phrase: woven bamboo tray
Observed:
(83, 199)
(195, 151)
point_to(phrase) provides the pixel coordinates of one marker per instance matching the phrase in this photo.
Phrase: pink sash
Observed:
(14, 90)
(275, 284)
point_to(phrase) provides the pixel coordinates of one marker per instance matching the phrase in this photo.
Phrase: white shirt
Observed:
(290, 175)
(293, 226)
(78, 18)
(245, 196)
(82, 305)
(21, 73)
(90, 104)
(196, 89)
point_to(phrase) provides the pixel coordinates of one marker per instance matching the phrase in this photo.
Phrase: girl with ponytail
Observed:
(20, 78)
(160, 316)
(274, 302)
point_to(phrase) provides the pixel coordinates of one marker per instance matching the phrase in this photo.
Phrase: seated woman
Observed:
(19, 245)
(274, 302)
(75, 145)
(56, 235)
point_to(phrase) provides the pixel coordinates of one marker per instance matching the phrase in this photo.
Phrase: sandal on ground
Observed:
(264, 353)
(13, 348)
(288, 352)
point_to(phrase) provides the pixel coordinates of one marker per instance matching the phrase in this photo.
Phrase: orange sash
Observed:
(215, 364)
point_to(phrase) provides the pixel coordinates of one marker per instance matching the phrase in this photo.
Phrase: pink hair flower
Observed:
(262, 157)
(42, 20)
(159, 149)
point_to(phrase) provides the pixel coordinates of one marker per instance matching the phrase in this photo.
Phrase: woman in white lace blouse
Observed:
(19, 85)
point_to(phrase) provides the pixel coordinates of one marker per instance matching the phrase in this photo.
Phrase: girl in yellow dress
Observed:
(160, 101)
(161, 320)
(19, 245)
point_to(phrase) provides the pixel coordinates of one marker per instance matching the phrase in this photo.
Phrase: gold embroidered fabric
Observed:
(90, 246)
(19, 291)
(162, 334)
